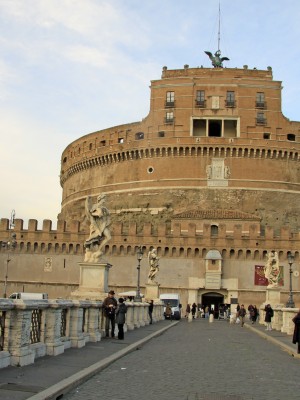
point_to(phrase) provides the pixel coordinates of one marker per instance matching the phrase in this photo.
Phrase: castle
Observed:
(210, 178)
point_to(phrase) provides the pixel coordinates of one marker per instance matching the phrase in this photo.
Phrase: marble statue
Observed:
(153, 264)
(271, 269)
(99, 218)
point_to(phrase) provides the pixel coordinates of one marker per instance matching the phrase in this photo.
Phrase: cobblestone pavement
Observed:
(198, 360)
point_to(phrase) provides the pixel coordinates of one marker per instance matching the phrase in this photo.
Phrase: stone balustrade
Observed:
(282, 319)
(34, 328)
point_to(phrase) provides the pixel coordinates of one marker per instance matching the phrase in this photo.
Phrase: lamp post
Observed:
(290, 303)
(139, 255)
(10, 245)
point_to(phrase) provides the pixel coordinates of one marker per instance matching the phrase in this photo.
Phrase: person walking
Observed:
(194, 309)
(268, 317)
(242, 314)
(121, 318)
(296, 335)
(187, 311)
(168, 312)
(206, 311)
(150, 310)
(109, 307)
(254, 314)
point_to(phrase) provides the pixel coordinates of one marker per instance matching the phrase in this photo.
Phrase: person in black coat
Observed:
(296, 335)
(121, 318)
(109, 306)
(150, 310)
(268, 317)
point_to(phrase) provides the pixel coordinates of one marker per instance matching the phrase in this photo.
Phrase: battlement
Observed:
(150, 233)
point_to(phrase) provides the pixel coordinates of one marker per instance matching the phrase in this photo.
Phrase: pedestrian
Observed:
(206, 311)
(150, 310)
(121, 318)
(268, 317)
(187, 311)
(194, 309)
(168, 312)
(109, 306)
(296, 335)
(242, 314)
(254, 314)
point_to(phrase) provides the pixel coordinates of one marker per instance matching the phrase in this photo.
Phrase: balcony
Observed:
(230, 103)
(261, 121)
(261, 105)
(169, 120)
(169, 104)
(200, 103)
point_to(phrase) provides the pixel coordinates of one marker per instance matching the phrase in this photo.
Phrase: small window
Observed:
(261, 120)
(260, 100)
(65, 160)
(291, 137)
(169, 117)
(267, 135)
(139, 136)
(200, 98)
(170, 99)
(214, 230)
(230, 99)
(103, 143)
(161, 134)
(90, 146)
(121, 140)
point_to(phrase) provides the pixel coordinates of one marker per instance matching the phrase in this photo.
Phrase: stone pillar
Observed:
(93, 282)
(130, 316)
(6, 306)
(146, 313)
(151, 291)
(287, 323)
(52, 336)
(141, 318)
(76, 325)
(19, 321)
(277, 319)
(273, 297)
(136, 321)
(94, 321)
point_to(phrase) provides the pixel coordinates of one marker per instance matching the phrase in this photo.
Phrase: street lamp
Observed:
(10, 245)
(290, 303)
(139, 255)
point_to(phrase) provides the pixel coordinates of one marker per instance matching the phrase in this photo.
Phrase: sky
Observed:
(72, 67)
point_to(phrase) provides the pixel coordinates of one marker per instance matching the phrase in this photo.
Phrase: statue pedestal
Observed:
(93, 282)
(152, 291)
(273, 297)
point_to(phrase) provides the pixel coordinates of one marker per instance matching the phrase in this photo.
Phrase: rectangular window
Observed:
(261, 120)
(170, 99)
(260, 100)
(139, 136)
(161, 134)
(230, 99)
(200, 98)
(169, 117)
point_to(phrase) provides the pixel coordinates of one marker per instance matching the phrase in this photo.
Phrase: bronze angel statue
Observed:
(216, 60)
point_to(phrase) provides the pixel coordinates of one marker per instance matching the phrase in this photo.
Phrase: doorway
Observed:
(212, 300)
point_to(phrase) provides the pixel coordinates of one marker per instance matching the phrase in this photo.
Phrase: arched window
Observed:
(214, 230)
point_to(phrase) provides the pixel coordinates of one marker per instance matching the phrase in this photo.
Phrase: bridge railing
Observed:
(282, 319)
(34, 328)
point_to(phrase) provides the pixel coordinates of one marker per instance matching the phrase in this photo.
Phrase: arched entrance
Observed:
(212, 300)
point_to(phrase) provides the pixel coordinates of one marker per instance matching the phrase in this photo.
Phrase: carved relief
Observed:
(48, 264)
